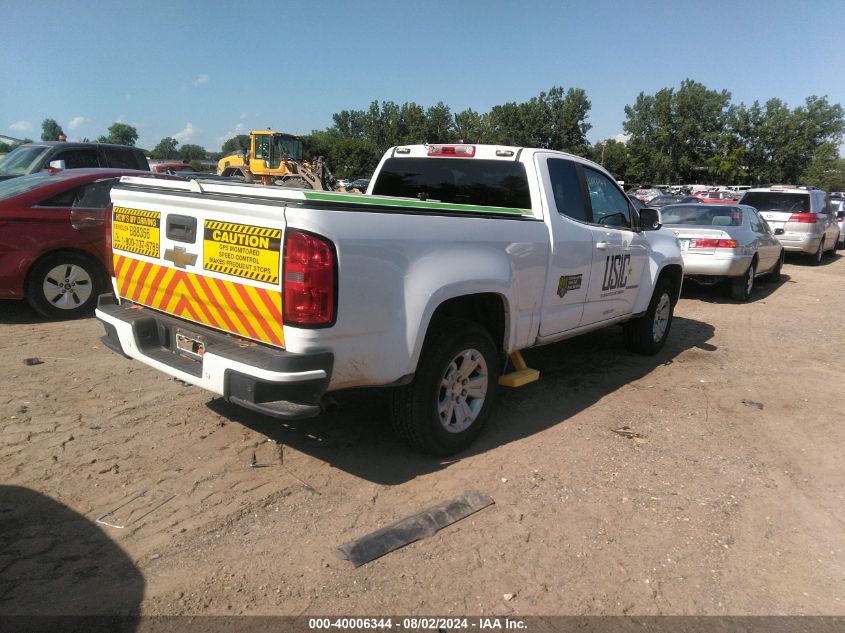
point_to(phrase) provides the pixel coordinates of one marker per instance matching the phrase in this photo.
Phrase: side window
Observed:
(609, 205)
(569, 197)
(120, 158)
(78, 158)
(64, 199)
(758, 224)
(262, 147)
(94, 195)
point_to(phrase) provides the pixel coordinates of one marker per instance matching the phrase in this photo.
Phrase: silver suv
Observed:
(801, 218)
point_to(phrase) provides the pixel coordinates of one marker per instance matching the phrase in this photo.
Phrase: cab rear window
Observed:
(489, 183)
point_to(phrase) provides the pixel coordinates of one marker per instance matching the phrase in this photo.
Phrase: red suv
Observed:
(52, 242)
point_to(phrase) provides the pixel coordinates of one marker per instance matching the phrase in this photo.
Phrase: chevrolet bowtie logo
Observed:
(180, 257)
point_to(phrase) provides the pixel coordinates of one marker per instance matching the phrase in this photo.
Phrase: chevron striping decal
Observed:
(219, 306)
(254, 313)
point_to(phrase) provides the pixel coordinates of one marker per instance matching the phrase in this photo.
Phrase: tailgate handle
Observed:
(182, 228)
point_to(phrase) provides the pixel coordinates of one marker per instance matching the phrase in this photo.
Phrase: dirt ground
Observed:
(732, 501)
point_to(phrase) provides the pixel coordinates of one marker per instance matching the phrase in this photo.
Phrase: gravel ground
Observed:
(726, 497)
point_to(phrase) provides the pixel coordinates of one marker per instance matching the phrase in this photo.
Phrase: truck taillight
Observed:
(803, 218)
(310, 280)
(459, 151)
(712, 243)
(107, 226)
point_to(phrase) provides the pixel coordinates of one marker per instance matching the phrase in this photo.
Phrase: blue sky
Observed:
(204, 71)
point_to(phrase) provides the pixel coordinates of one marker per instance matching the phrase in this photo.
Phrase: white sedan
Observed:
(720, 241)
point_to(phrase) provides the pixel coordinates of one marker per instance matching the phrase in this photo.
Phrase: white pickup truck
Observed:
(457, 258)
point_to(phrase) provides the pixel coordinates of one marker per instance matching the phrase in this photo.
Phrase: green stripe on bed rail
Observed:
(327, 196)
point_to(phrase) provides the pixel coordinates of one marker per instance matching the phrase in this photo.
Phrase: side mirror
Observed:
(778, 231)
(650, 219)
(57, 164)
(840, 215)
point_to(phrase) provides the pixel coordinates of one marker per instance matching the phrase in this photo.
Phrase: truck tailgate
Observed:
(217, 263)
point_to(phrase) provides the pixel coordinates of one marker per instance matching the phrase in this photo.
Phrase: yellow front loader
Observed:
(275, 158)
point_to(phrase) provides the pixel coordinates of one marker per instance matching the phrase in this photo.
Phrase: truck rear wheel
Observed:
(648, 333)
(444, 408)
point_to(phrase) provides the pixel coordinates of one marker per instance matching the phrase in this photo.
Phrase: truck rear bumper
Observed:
(262, 378)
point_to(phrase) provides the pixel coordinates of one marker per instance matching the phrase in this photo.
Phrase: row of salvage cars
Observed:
(743, 241)
(53, 250)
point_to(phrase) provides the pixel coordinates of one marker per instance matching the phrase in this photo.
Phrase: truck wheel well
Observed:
(486, 309)
(674, 274)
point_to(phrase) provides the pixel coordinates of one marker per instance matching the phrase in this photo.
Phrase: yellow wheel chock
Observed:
(522, 376)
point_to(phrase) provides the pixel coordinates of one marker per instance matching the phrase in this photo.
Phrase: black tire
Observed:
(742, 287)
(416, 408)
(65, 285)
(775, 274)
(644, 335)
(244, 173)
(294, 182)
(816, 258)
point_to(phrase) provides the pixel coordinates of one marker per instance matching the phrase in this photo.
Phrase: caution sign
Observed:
(136, 231)
(240, 250)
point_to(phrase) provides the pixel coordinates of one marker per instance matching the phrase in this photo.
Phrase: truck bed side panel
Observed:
(395, 269)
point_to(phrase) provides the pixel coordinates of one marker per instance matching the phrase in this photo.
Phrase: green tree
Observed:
(642, 127)
(438, 124)
(746, 126)
(468, 126)
(536, 122)
(569, 115)
(675, 135)
(700, 117)
(166, 148)
(780, 145)
(350, 123)
(552, 120)
(236, 144)
(413, 124)
(120, 134)
(613, 156)
(50, 130)
(346, 157)
(826, 170)
(504, 125)
(191, 152)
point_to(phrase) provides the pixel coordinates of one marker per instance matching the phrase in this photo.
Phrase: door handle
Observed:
(602, 246)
